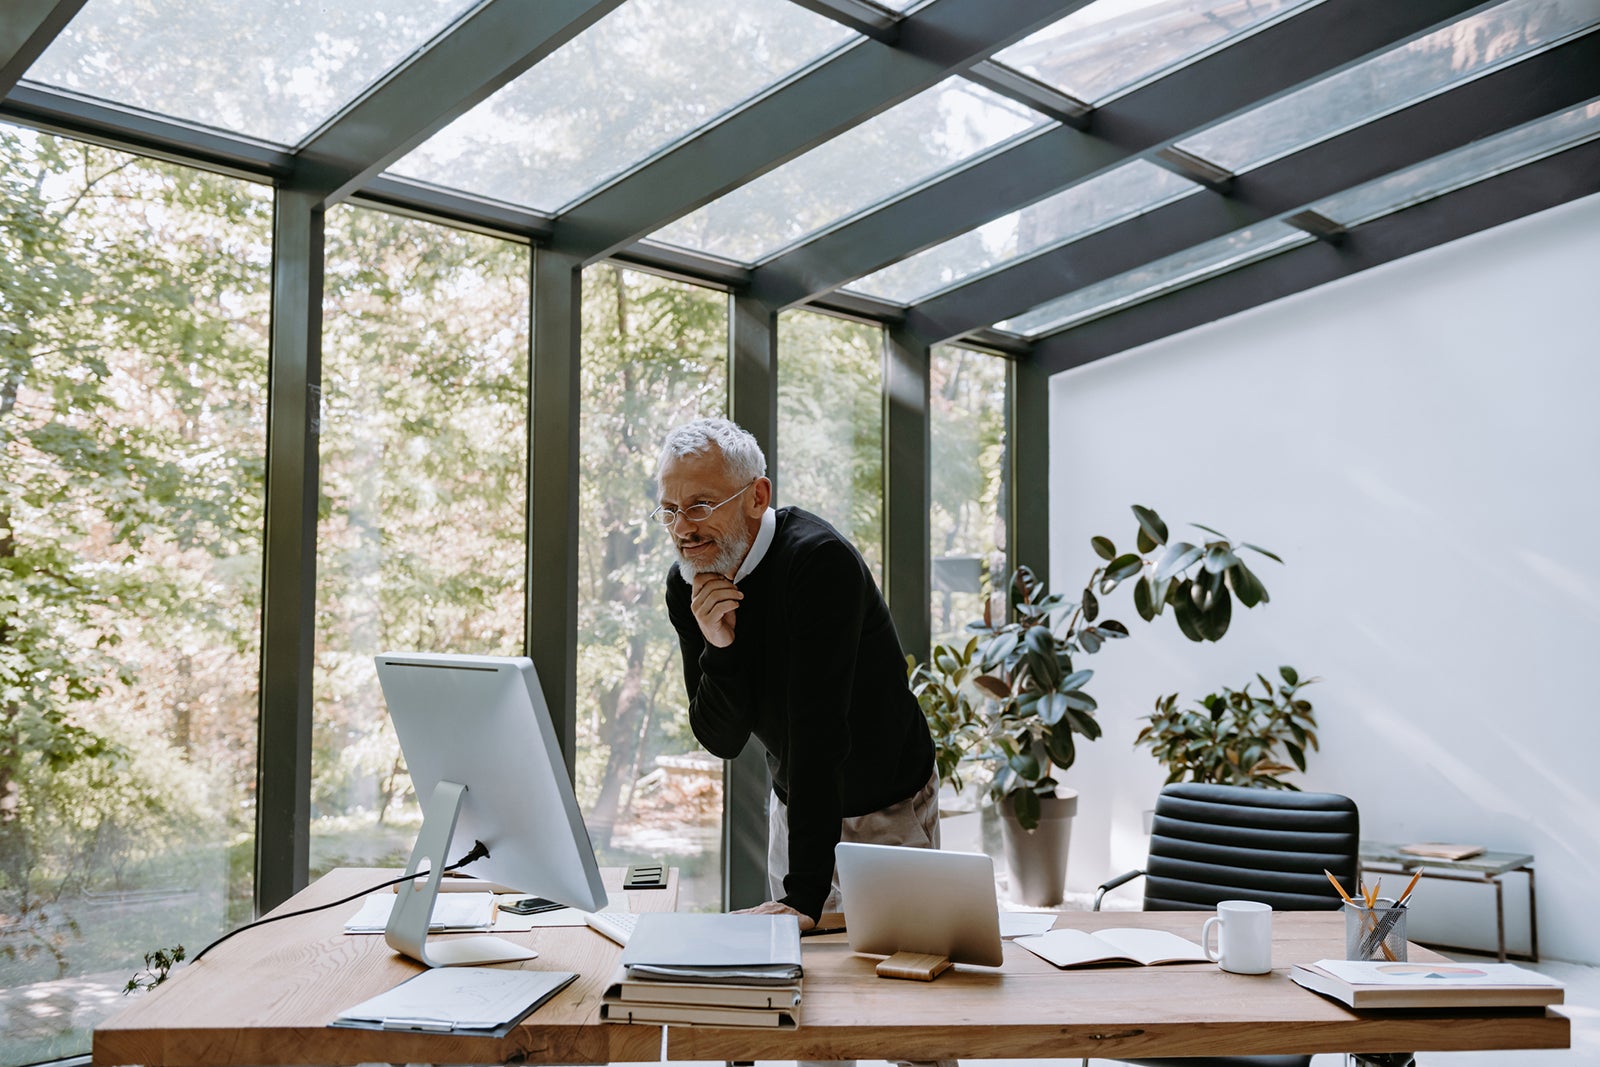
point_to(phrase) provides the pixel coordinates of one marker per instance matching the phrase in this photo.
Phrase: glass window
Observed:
(902, 147)
(655, 354)
(1463, 50)
(1453, 170)
(830, 425)
(421, 539)
(967, 525)
(644, 76)
(1112, 197)
(270, 70)
(1163, 275)
(133, 370)
(1111, 45)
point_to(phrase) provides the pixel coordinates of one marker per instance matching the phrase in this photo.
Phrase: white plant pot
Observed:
(1036, 860)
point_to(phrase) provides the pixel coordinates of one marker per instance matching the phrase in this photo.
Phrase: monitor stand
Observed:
(407, 932)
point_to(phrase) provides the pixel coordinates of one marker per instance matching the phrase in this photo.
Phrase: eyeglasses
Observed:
(694, 512)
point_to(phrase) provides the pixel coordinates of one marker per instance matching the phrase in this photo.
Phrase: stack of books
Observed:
(683, 969)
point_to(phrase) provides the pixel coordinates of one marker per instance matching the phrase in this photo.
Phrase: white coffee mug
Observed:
(1244, 937)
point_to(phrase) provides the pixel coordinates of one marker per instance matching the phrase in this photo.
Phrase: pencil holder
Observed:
(1376, 933)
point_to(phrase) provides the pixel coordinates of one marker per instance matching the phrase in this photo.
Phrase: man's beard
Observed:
(731, 550)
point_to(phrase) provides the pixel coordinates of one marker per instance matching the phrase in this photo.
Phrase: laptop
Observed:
(900, 899)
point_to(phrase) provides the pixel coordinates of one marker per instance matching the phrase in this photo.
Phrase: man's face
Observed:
(718, 544)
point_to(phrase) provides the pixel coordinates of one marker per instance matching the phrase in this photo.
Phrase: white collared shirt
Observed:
(758, 547)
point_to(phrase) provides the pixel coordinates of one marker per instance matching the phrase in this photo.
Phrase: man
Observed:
(785, 637)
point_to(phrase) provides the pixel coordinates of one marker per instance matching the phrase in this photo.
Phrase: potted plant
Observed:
(1038, 705)
(1235, 736)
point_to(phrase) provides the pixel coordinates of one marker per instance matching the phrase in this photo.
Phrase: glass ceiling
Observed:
(641, 78)
(1164, 275)
(270, 71)
(652, 74)
(1076, 212)
(1454, 170)
(1110, 46)
(889, 153)
(1466, 49)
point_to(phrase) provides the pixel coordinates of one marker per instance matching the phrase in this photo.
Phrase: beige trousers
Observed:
(913, 821)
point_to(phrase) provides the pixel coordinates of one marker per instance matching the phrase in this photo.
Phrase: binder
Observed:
(482, 1001)
(697, 947)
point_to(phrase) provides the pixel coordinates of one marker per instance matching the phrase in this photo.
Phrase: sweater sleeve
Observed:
(721, 712)
(826, 606)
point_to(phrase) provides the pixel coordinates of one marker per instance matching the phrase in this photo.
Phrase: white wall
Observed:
(1420, 444)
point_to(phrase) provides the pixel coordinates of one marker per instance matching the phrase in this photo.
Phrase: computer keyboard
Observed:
(617, 925)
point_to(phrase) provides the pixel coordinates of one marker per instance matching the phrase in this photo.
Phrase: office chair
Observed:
(1211, 843)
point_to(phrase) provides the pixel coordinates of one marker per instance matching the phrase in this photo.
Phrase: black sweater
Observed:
(815, 671)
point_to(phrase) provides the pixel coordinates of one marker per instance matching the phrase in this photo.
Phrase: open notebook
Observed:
(1077, 948)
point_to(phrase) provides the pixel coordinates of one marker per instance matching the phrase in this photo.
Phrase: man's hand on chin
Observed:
(714, 602)
(772, 907)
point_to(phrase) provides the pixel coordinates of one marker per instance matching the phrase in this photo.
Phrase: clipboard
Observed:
(471, 1001)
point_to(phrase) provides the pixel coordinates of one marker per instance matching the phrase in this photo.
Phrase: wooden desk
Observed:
(265, 999)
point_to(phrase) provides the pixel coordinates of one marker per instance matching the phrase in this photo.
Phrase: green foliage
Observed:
(1038, 706)
(946, 689)
(1235, 737)
(158, 965)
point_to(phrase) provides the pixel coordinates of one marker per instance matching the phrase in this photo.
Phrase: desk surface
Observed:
(266, 997)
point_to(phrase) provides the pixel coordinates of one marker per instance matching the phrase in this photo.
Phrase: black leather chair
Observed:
(1211, 843)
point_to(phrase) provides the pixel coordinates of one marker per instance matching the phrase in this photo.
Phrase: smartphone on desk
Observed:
(530, 906)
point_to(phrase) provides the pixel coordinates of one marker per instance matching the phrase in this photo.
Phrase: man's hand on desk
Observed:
(772, 907)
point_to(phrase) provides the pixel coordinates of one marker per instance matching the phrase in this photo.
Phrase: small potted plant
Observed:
(1235, 736)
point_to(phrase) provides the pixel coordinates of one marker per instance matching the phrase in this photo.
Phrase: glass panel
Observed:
(271, 70)
(1164, 275)
(830, 425)
(1120, 194)
(655, 354)
(1474, 163)
(421, 542)
(644, 76)
(1112, 45)
(967, 441)
(928, 134)
(1463, 50)
(133, 373)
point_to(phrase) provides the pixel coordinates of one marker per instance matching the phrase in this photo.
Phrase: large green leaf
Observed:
(1091, 606)
(1051, 707)
(1179, 556)
(1075, 680)
(1123, 567)
(1257, 548)
(1213, 620)
(1103, 547)
(1061, 747)
(1246, 586)
(1219, 558)
(1142, 601)
(1151, 525)
(1025, 806)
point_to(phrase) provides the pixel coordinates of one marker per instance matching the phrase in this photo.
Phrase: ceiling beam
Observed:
(1266, 64)
(863, 80)
(26, 31)
(464, 65)
(1504, 198)
(1549, 82)
(65, 113)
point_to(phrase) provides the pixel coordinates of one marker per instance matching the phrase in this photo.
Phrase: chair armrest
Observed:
(1106, 887)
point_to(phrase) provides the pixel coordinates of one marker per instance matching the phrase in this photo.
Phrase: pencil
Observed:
(1347, 898)
(1409, 887)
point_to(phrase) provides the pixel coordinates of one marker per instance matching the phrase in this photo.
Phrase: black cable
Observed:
(478, 851)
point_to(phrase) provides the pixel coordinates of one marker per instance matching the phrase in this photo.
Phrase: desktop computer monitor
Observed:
(478, 740)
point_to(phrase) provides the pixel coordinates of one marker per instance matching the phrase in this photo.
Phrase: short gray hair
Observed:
(738, 446)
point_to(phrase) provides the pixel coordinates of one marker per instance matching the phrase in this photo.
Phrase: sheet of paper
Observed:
(451, 911)
(1025, 923)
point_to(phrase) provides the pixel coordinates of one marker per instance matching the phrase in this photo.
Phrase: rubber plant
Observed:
(1039, 705)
